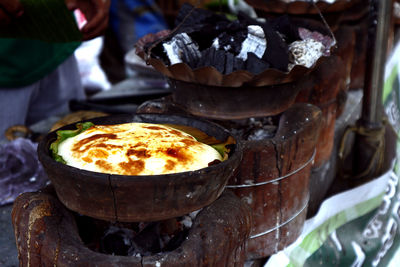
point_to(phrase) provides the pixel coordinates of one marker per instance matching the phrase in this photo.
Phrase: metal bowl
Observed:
(140, 198)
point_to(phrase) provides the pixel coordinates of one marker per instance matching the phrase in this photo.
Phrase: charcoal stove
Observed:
(48, 233)
(49, 229)
(273, 176)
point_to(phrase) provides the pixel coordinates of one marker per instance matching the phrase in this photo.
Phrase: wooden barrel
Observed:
(273, 180)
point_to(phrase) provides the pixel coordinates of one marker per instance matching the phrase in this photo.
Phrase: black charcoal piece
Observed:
(219, 60)
(286, 28)
(181, 48)
(239, 64)
(176, 241)
(231, 40)
(276, 53)
(148, 240)
(117, 241)
(229, 63)
(203, 38)
(255, 65)
(206, 57)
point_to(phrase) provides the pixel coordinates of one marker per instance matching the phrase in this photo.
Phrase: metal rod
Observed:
(376, 59)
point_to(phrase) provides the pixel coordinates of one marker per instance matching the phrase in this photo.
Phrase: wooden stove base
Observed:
(47, 235)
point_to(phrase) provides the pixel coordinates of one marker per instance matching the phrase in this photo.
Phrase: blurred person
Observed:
(132, 19)
(129, 21)
(38, 79)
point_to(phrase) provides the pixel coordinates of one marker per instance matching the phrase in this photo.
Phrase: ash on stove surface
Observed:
(134, 239)
(253, 129)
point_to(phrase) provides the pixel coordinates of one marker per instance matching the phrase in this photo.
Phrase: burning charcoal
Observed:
(204, 39)
(117, 241)
(148, 240)
(20, 170)
(181, 48)
(306, 52)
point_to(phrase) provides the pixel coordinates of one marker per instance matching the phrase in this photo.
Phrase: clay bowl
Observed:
(140, 198)
(229, 103)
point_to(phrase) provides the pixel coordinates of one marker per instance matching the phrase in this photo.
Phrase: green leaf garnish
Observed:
(223, 148)
(62, 135)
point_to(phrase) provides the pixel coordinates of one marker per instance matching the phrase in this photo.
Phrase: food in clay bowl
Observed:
(169, 166)
(228, 69)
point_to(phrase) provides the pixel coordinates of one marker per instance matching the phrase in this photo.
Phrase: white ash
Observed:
(216, 45)
(306, 52)
(194, 214)
(254, 43)
(327, 41)
(188, 219)
(181, 45)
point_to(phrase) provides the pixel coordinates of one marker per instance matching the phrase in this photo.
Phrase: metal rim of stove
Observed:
(284, 223)
(311, 160)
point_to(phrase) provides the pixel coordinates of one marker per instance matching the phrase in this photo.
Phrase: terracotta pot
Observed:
(140, 198)
(228, 103)
(273, 179)
(47, 235)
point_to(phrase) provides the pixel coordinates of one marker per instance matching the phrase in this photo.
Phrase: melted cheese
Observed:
(136, 149)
